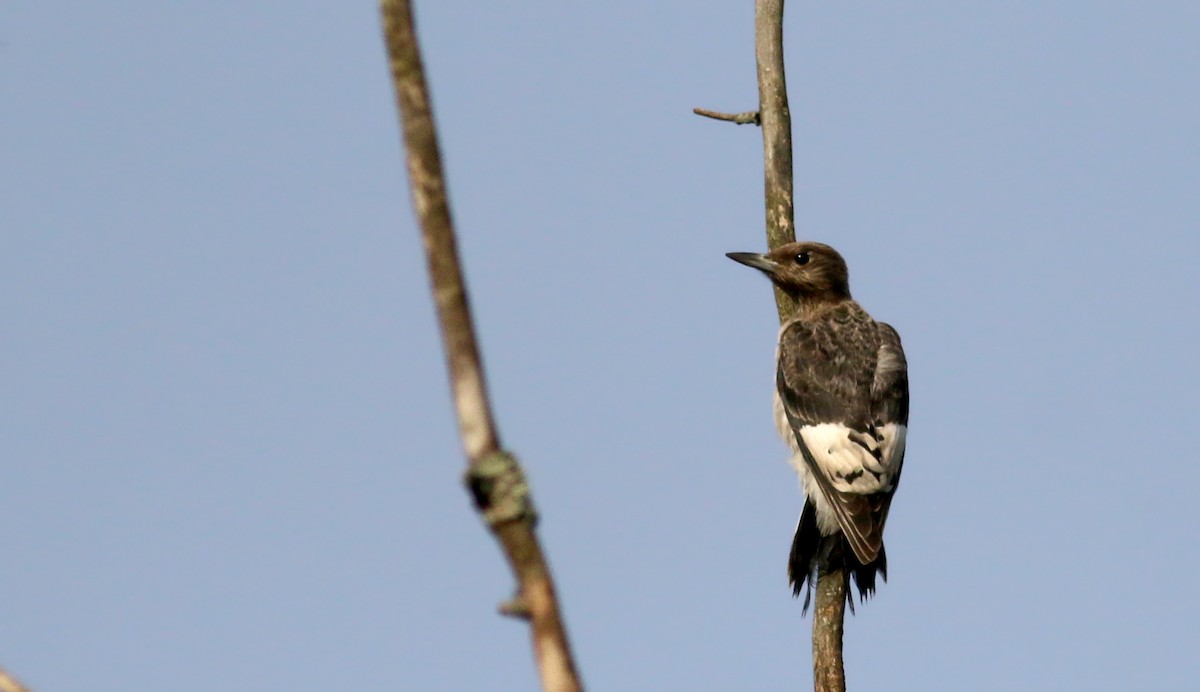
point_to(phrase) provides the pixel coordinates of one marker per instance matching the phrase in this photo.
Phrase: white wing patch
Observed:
(852, 461)
(847, 458)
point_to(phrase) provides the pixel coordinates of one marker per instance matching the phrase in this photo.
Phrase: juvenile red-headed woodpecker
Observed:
(841, 404)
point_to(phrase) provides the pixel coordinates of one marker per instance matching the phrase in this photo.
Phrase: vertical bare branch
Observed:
(829, 614)
(830, 609)
(777, 133)
(494, 477)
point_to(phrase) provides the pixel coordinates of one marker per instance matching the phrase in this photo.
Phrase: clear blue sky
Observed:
(226, 446)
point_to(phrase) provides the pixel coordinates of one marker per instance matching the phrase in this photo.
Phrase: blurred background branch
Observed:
(494, 477)
(9, 684)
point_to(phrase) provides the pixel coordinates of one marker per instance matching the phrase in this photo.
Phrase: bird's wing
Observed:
(826, 381)
(889, 405)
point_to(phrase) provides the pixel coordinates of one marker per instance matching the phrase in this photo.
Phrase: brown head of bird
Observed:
(803, 270)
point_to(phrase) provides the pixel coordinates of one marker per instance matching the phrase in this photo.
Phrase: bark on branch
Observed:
(830, 608)
(776, 131)
(494, 476)
(776, 121)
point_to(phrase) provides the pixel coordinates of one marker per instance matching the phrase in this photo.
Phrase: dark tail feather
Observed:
(814, 554)
(802, 563)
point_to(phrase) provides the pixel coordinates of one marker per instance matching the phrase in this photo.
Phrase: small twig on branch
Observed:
(747, 118)
(829, 611)
(494, 477)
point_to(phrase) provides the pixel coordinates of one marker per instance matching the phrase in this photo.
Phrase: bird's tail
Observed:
(813, 555)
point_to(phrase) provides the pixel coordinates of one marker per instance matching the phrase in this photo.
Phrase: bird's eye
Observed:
(802, 258)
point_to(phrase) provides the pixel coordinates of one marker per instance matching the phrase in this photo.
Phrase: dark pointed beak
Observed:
(752, 259)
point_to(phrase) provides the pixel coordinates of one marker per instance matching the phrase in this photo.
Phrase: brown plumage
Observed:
(841, 403)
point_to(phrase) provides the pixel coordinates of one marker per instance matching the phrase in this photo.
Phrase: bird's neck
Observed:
(813, 306)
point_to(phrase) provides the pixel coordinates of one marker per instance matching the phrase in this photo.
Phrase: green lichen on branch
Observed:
(500, 489)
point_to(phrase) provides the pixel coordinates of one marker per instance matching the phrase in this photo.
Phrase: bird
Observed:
(841, 404)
